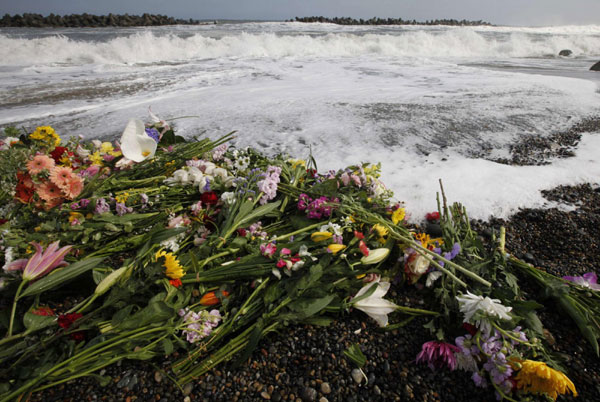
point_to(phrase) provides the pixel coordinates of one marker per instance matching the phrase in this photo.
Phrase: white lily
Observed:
(375, 306)
(136, 145)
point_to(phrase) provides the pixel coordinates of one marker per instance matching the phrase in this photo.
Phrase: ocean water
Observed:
(429, 103)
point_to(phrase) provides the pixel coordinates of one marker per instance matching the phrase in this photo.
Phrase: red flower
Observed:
(58, 153)
(175, 282)
(359, 235)
(432, 216)
(312, 172)
(3, 221)
(242, 232)
(363, 248)
(471, 329)
(44, 311)
(66, 321)
(209, 198)
(24, 190)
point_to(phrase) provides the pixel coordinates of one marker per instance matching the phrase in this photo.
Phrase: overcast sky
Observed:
(505, 12)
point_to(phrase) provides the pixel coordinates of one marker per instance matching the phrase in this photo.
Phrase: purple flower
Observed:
(466, 345)
(122, 209)
(153, 133)
(479, 380)
(84, 202)
(101, 206)
(589, 280)
(438, 354)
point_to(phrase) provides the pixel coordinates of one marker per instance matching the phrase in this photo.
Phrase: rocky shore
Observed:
(85, 20)
(306, 363)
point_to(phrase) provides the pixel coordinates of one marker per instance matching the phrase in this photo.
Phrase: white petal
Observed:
(135, 144)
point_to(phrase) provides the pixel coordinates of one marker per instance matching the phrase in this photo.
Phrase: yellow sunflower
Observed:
(174, 270)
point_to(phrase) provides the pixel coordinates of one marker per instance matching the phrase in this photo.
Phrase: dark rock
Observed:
(309, 394)
(595, 67)
(565, 53)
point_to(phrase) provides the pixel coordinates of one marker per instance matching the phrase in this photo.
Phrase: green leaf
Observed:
(34, 322)
(309, 307)
(167, 346)
(154, 312)
(57, 278)
(355, 355)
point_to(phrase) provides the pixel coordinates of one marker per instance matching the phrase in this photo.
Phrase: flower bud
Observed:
(109, 281)
(211, 299)
(375, 256)
(335, 248)
(321, 236)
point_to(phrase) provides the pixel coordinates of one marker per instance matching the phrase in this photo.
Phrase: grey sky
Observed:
(508, 12)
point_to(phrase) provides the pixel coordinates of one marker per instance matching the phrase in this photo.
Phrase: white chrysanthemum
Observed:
(471, 304)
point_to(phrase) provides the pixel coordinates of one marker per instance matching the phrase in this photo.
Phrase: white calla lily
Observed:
(136, 145)
(375, 306)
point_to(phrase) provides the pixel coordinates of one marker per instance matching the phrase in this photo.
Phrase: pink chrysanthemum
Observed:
(438, 354)
(61, 176)
(53, 203)
(73, 187)
(39, 163)
(48, 191)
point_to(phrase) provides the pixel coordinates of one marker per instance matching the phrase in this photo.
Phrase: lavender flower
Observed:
(101, 206)
(589, 280)
(153, 133)
(199, 325)
(122, 209)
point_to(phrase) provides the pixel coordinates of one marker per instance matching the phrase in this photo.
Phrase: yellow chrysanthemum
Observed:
(538, 378)
(174, 270)
(96, 158)
(297, 162)
(46, 134)
(380, 229)
(106, 147)
(398, 215)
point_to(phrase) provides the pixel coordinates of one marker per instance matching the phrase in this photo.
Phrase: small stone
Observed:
(188, 388)
(158, 376)
(187, 399)
(376, 390)
(323, 399)
(265, 395)
(309, 394)
(325, 388)
(357, 376)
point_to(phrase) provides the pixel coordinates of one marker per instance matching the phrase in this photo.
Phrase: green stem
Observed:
(304, 229)
(14, 308)
(416, 311)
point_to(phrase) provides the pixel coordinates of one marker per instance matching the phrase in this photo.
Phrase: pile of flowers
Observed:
(200, 248)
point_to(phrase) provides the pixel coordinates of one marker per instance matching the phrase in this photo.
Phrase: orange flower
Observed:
(74, 187)
(61, 175)
(211, 299)
(48, 191)
(39, 163)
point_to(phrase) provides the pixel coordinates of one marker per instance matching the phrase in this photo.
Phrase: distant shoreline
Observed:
(32, 20)
(388, 21)
(29, 20)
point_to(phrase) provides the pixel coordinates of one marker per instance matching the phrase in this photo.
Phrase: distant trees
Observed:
(88, 20)
(388, 21)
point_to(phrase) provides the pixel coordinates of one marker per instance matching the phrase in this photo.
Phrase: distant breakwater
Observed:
(85, 20)
(388, 21)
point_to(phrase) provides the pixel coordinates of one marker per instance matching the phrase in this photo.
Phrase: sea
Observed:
(429, 103)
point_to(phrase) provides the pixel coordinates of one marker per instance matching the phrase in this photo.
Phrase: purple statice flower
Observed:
(589, 280)
(122, 209)
(438, 354)
(74, 206)
(84, 202)
(101, 206)
(153, 133)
